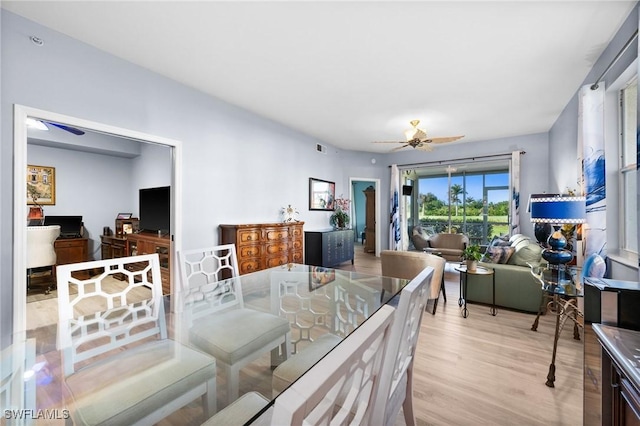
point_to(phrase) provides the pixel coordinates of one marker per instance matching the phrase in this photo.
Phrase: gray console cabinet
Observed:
(328, 248)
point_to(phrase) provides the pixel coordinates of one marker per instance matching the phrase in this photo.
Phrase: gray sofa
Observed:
(516, 288)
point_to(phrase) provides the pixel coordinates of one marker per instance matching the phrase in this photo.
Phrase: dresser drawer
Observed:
(251, 250)
(248, 236)
(277, 261)
(277, 234)
(276, 248)
(296, 244)
(297, 257)
(296, 232)
(249, 265)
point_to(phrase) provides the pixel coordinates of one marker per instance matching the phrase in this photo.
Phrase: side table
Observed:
(561, 301)
(463, 287)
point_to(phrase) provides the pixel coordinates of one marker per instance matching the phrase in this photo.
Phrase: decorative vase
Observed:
(472, 265)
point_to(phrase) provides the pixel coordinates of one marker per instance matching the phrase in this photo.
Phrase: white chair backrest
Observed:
(40, 249)
(340, 389)
(210, 280)
(102, 314)
(404, 337)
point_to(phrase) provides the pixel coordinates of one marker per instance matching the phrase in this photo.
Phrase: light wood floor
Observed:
(486, 370)
(482, 370)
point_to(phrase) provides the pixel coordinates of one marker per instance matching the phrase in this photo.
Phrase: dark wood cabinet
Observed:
(72, 250)
(328, 248)
(370, 220)
(113, 247)
(264, 245)
(144, 243)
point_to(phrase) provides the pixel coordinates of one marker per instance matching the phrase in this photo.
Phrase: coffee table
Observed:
(480, 270)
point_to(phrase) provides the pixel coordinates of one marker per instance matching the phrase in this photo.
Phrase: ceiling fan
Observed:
(417, 139)
(42, 125)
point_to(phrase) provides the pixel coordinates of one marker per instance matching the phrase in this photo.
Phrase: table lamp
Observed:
(557, 210)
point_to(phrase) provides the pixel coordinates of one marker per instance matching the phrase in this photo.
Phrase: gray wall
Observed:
(237, 167)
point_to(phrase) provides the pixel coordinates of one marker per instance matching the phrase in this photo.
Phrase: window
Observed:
(473, 200)
(628, 166)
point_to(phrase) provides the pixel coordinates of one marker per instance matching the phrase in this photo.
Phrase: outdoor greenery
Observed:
(434, 213)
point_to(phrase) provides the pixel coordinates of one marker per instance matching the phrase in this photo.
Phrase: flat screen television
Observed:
(70, 226)
(155, 209)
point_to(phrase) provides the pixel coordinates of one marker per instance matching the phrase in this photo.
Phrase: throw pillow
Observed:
(498, 254)
(500, 241)
(530, 253)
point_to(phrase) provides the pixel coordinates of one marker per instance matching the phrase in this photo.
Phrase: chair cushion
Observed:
(289, 371)
(123, 388)
(239, 411)
(232, 335)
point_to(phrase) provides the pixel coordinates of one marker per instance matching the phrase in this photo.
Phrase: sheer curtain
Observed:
(394, 210)
(591, 146)
(514, 179)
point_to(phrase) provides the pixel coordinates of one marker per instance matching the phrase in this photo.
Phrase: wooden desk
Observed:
(72, 250)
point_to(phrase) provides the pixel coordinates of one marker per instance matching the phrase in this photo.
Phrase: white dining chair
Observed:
(216, 320)
(119, 366)
(341, 388)
(396, 388)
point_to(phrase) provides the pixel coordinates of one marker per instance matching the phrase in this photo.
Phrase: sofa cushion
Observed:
(498, 254)
(529, 253)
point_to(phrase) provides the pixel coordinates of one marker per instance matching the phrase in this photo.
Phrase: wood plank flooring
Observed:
(486, 370)
(482, 370)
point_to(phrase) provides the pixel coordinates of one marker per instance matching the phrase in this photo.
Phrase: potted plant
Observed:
(472, 255)
(340, 219)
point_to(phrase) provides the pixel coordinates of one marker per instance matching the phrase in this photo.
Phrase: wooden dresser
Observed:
(265, 245)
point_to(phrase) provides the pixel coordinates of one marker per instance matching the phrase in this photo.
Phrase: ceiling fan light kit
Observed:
(417, 138)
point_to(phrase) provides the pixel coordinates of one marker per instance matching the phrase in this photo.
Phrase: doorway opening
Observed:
(358, 186)
(22, 115)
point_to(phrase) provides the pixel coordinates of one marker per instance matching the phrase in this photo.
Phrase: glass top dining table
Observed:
(315, 300)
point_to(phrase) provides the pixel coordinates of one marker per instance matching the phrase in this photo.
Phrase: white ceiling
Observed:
(350, 73)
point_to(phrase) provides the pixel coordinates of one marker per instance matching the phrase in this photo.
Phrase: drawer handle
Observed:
(249, 238)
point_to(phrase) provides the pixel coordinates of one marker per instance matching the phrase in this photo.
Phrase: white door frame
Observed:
(20, 114)
(377, 203)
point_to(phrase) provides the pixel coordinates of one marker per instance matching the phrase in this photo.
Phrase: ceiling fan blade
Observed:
(70, 129)
(400, 147)
(388, 142)
(443, 140)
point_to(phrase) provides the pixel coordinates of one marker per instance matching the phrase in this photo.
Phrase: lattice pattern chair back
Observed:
(397, 378)
(203, 285)
(102, 314)
(341, 388)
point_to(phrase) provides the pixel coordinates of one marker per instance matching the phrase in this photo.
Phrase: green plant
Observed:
(472, 252)
(339, 219)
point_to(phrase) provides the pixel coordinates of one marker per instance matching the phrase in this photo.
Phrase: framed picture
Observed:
(321, 276)
(124, 215)
(127, 228)
(322, 193)
(41, 185)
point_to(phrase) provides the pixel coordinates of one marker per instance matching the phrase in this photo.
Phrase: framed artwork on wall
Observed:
(41, 185)
(322, 194)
